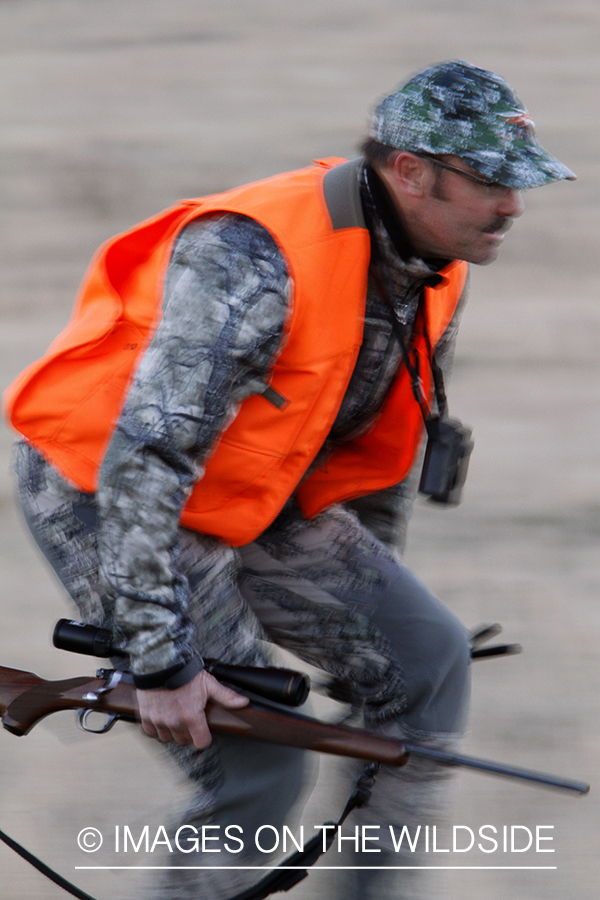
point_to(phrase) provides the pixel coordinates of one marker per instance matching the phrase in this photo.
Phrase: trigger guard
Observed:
(83, 716)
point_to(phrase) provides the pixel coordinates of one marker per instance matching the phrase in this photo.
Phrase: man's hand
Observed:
(179, 715)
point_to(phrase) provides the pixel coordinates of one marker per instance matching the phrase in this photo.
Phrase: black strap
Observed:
(44, 869)
(413, 368)
(413, 371)
(283, 878)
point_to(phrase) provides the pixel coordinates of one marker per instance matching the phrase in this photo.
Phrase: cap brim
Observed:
(522, 167)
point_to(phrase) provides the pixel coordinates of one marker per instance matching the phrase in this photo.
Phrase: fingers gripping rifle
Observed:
(25, 699)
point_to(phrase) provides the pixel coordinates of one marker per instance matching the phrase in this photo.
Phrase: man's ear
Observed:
(408, 173)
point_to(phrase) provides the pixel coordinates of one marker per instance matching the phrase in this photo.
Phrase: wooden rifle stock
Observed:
(25, 699)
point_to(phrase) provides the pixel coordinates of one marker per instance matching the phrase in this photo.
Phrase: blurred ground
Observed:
(111, 111)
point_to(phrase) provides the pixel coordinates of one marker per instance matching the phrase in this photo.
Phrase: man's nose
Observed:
(511, 205)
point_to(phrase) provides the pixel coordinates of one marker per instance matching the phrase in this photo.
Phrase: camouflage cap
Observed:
(458, 109)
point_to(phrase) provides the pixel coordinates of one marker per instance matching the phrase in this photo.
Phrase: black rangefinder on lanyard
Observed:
(449, 442)
(446, 461)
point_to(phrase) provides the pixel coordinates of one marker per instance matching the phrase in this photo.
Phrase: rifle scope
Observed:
(271, 682)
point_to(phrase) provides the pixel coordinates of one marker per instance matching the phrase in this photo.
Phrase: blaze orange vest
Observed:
(67, 403)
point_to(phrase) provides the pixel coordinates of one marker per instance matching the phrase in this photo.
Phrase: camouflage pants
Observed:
(333, 595)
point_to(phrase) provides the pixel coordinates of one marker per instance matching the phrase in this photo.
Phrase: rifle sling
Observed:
(283, 878)
(44, 869)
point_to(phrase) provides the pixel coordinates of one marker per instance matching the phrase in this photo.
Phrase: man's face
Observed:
(458, 218)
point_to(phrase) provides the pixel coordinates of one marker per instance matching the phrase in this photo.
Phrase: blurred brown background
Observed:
(112, 110)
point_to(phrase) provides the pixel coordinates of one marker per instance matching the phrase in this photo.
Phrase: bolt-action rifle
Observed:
(26, 698)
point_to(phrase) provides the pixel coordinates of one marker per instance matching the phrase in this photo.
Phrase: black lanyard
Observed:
(413, 368)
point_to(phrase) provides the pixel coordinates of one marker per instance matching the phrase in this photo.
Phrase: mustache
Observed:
(499, 224)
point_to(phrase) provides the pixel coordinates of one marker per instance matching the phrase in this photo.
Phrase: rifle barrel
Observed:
(472, 762)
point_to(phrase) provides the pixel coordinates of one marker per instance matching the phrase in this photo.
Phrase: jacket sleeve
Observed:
(387, 513)
(225, 304)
